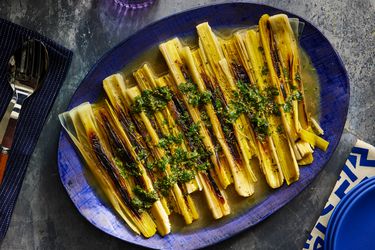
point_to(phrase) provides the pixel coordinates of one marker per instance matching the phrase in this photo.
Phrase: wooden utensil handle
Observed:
(9, 133)
(3, 164)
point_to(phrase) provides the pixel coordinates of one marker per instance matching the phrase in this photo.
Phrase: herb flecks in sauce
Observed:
(143, 200)
(151, 101)
(295, 96)
(256, 104)
(195, 97)
(165, 183)
(169, 140)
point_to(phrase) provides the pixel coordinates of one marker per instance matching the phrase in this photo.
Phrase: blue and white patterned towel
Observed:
(359, 165)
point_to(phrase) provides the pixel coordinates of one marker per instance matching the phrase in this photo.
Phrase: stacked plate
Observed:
(352, 224)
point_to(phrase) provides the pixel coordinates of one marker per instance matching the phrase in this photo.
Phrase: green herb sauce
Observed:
(151, 101)
(143, 200)
(195, 97)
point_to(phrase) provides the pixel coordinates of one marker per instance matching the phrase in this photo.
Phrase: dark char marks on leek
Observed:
(111, 170)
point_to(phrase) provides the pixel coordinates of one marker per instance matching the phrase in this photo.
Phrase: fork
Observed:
(28, 66)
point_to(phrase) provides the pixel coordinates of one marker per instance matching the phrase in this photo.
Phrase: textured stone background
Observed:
(45, 218)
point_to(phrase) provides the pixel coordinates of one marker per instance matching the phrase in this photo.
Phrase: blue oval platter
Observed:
(334, 101)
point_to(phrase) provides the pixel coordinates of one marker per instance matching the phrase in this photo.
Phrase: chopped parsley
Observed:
(169, 140)
(120, 167)
(143, 199)
(195, 97)
(295, 96)
(205, 119)
(287, 106)
(142, 154)
(193, 133)
(203, 166)
(260, 125)
(185, 117)
(297, 77)
(152, 100)
(165, 183)
(256, 104)
(160, 164)
(132, 169)
(185, 175)
(127, 169)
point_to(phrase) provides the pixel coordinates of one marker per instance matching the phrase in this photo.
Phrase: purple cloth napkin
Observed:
(34, 112)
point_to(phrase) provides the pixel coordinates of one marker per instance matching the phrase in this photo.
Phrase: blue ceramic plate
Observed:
(356, 227)
(342, 208)
(334, 92)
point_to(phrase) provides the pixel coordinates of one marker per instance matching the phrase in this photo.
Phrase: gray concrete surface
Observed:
(45, 218)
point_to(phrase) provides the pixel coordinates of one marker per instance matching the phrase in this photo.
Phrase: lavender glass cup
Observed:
(134, 4)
